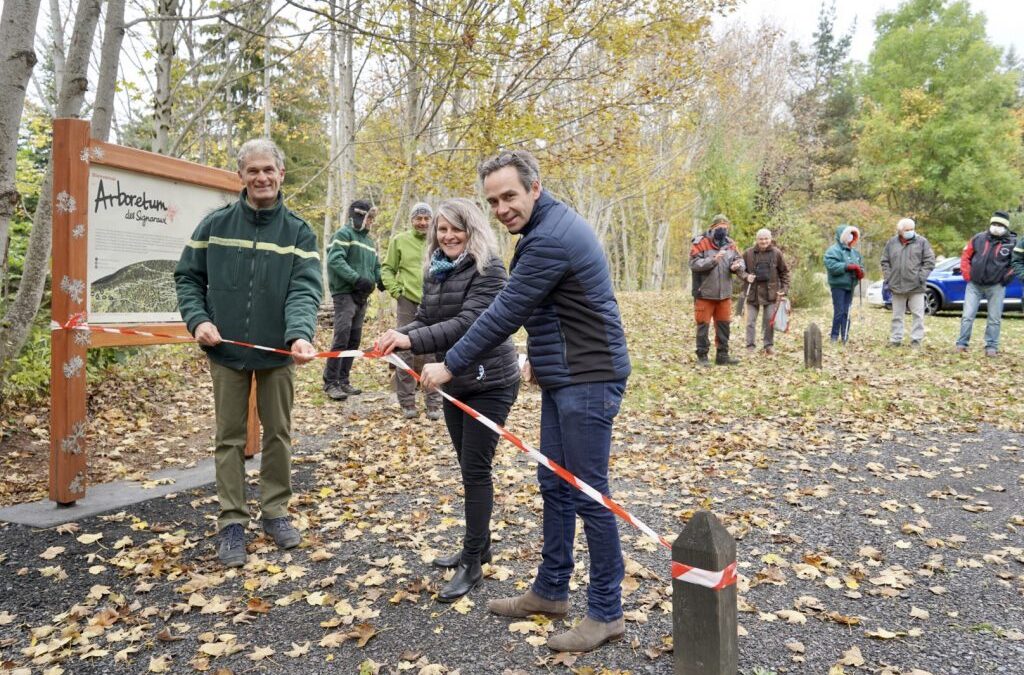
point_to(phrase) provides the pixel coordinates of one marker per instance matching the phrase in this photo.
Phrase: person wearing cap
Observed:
(985, 266)
(402, 273)
(353, 270)
(713, 259)
(845, 267)
(907, 260)
(767, 280)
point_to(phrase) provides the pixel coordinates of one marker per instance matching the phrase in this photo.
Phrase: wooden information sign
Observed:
(121, 218)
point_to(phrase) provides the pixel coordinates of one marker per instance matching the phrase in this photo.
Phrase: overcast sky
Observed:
(799, 18)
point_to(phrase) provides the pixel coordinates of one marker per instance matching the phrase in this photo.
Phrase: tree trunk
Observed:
(17, 59)
(413, 103)
(166, 47)
(347, 106)
(658, 266)
(106, 83)
(56, 47)
(15, 327)
(268, 108)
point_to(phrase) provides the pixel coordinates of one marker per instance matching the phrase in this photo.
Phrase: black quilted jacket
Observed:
(448, 308)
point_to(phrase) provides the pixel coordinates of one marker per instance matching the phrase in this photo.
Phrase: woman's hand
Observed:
(392, 340)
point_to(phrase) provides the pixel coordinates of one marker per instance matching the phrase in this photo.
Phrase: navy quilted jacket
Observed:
(559, 289)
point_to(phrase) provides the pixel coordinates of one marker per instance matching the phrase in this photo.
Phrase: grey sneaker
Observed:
(282, 532)
(961, 349)
(350, 390)
(410, 413)
(231, 546)
(335, 393)
(990, 352)
(433, 414)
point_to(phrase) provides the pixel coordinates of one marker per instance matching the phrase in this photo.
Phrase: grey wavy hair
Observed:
(260, 146)
(464, 215)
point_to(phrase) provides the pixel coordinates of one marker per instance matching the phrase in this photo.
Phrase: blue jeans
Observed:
(842, 299)
(576, 432)
(972, 300)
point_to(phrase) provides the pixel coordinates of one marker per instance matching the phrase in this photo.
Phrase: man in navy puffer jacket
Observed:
(560, 290)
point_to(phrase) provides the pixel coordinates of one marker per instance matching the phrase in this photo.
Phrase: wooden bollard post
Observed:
(704, 619)
(812, 346)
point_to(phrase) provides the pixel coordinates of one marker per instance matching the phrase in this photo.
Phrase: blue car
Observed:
(946, 288)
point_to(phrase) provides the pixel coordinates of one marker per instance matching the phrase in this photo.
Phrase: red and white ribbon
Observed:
(713, 580)
(693, 575)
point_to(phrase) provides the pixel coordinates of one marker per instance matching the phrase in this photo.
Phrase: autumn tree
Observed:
(938, 136)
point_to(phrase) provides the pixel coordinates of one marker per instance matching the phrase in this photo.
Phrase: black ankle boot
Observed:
(465, 579)
(453, 560)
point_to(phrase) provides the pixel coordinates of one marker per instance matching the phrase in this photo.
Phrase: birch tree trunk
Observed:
(165, 49)
(16, 324)
(17, 59)
(106, 82)
(346, 131)
(268, 107)
(56, 46)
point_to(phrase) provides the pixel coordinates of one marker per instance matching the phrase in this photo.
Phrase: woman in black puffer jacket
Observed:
(463, 275)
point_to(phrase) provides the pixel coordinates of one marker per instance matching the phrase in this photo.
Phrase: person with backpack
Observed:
(845, 267)
(767, 284)
(985, 266)
(907, 260)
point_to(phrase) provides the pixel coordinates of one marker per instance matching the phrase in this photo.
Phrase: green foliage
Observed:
(798, 238)
(938, 137)
(875, 223)
(727, 183)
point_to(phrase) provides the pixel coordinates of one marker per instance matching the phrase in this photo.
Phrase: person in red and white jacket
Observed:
(985, 265)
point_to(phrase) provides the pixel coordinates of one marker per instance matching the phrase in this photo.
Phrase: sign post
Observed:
(121, 218)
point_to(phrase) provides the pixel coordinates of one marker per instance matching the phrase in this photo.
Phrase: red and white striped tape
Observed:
(713, 580)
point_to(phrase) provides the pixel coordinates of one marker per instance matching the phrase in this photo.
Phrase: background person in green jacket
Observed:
(353, 269)
(402, 273)
(845, 267)
(251, 272)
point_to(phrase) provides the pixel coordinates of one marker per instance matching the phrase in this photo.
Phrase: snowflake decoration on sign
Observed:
(97, 153)
(85, 155)
(83, 338)
(77, 483)
(75, 288)
(73, 367)
(66, 203)
(73, 442)
(78, 231)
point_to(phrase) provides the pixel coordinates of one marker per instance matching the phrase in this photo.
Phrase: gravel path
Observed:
(915, 538)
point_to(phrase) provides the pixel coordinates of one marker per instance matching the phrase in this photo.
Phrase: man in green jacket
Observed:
(353, 269)
(251, 273)
(402, 272)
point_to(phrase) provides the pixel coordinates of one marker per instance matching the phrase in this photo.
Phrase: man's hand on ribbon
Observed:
(207, 334)
(303, 351)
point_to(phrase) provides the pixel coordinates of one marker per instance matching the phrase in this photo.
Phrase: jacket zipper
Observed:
(252, 280)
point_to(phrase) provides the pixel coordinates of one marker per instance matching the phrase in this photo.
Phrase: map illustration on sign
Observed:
(138, 227)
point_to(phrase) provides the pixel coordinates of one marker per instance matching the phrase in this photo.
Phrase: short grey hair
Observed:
(906, 223)
(763, 230)
(524, 162)
(260, 146)
(464, 215)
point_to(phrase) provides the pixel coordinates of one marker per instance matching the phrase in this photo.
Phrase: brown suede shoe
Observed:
(526, 604)
(587, 635)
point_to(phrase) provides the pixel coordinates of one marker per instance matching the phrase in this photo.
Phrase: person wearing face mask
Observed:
(461, 277)
(845, 267)
(985, 266)
(402, 273)
(353, 270)
(713, 258)
(907, 260)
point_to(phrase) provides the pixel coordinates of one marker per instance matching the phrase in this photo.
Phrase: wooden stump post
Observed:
(704, 619)
(812, 346)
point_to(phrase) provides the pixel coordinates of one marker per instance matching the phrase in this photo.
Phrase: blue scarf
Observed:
(441, 266)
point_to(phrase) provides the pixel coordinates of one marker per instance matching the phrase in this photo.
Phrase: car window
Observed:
(948, 263)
